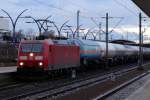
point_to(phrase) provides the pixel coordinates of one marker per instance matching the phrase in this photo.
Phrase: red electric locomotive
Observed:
(47, 55)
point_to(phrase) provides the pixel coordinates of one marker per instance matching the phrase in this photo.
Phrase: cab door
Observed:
(50, 56)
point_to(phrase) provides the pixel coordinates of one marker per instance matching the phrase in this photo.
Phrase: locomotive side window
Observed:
(31, 47)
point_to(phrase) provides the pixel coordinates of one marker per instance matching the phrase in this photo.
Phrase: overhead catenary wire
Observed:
(77, 5)
(127, 8)
(69, 14)
(59, 8)
(67, 11)
(82, 14)
(84, 10)
(121, 19)
(132, 5)
(53, 6)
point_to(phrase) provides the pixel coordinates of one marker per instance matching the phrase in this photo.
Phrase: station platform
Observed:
(8, 69)
(142, 93)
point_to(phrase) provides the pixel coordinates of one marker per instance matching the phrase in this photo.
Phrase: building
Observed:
(143, 5)
(4, 27)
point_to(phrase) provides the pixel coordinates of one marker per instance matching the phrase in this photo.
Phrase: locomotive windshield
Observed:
(31, 47)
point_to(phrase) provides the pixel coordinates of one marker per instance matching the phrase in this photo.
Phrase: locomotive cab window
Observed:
(36, 47)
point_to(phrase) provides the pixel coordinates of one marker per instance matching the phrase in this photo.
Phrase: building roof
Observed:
(144, 5)
(122, 42)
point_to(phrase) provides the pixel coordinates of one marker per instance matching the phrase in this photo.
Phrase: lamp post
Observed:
(14, 22)
(67, 32)
(73, 32)
(39, 25)
(57, 28)
(35, 22)
(69, 27)
(87, 33)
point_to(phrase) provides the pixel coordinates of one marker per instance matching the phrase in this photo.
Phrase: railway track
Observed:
(11, 85)
(61, 89)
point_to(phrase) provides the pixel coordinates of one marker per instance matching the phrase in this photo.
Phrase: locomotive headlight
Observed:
(40, 64)
(39, 58)
(21, 63)
(31, 54)
(23, 57)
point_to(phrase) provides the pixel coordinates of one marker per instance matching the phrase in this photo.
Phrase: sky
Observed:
(124, 12)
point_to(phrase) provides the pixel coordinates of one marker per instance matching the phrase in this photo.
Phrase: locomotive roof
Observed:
(89, 42)
(49, 41)
(84, 42)
(98, 43)
(37, 41)
(62, 42)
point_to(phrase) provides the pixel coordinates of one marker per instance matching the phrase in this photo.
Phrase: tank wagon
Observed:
(95, 51)
(47, 55)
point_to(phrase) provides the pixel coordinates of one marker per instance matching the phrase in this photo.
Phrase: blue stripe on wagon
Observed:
(90, 56)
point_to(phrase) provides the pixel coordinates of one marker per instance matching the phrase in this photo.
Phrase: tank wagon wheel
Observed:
(110, 62)
(50, 74)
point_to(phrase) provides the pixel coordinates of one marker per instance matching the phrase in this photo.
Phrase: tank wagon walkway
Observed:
(142, 93)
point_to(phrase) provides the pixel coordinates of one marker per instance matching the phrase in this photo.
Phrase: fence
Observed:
(8, 52)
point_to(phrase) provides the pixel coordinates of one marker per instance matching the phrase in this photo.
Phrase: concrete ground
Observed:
(142, 93)
(8, 69)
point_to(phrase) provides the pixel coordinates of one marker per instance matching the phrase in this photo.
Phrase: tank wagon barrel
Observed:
(96, 51)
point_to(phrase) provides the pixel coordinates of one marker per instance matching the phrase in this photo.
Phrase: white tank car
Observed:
(97, 50)
(146, 51)
(129, 50)
(114, 50)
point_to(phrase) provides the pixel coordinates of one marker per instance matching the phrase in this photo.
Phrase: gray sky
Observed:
(62, 10)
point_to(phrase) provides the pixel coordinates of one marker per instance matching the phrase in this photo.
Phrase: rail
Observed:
(64, 88)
